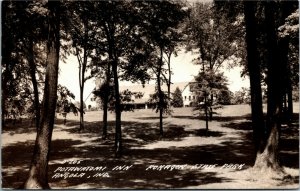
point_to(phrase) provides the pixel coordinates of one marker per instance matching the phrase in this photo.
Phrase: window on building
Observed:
(189, 98)
(193, 97)
(184, 97)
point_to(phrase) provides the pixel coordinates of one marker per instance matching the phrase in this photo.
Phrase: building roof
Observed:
(149, 89)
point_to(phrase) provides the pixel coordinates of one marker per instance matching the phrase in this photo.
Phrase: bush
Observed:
(177, 100)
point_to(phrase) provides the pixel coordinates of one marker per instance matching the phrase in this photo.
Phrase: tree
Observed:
(175, 36)
(12, 56)
(7, 62)
(82, 33)
(254, 73)
(267, 65)
(38, 174)
(224, 97)
(110, 22)
(22, 56)
(160, 19)
(35, 35)
(206, 85)
(267, 158)
(177, 100)
(289, 41)
(123, 49)
(282, 11)
(242, 96)
(63, 103)
(213, 36)
(266, 137)
(105, 93)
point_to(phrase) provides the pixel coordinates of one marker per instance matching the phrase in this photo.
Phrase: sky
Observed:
(183, 70)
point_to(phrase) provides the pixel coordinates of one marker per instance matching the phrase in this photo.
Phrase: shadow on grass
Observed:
(289, 143)
(289, 140)
(98, 152)
(209, 133)
(215, 118)
(245, 125)
(146, 132)
(138, 177)
(151, 118)
(16, 159)
(26, 126)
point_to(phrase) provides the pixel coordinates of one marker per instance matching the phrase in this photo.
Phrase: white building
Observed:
(187, 95)
(148, 90)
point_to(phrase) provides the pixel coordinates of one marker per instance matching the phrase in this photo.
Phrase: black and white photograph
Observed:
(149, 94)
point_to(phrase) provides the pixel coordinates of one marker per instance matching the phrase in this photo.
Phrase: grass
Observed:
(184, 143)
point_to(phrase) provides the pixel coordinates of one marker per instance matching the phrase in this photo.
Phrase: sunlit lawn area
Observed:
(229, 141)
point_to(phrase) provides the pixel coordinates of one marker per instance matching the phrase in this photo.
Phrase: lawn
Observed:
(183, 159)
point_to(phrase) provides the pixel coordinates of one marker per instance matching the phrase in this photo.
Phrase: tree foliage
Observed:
(208, 84)
(212, 35)
(206, 87)
(242, 96)
(162, 18)
(126, 96)
(23, 56)
(177, 100)
(64, 95)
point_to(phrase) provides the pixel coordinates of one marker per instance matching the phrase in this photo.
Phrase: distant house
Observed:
(188, 96)
(149, 89)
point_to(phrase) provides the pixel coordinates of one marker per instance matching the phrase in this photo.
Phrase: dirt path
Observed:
(217, 161)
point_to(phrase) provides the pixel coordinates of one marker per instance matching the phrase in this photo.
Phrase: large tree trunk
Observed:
(268, 160)
(206, 113)
(81, 113)
(81, 125)
(161, 131)
(113, 60)
(118, 134)
(105, 100)
(255, 78)
(169, 80)
(84, 65)
(210, 107)
(160, 94)
(82, 69)
(38, 174)
(105, 107)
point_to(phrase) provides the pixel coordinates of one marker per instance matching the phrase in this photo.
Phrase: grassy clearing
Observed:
(227, 144)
